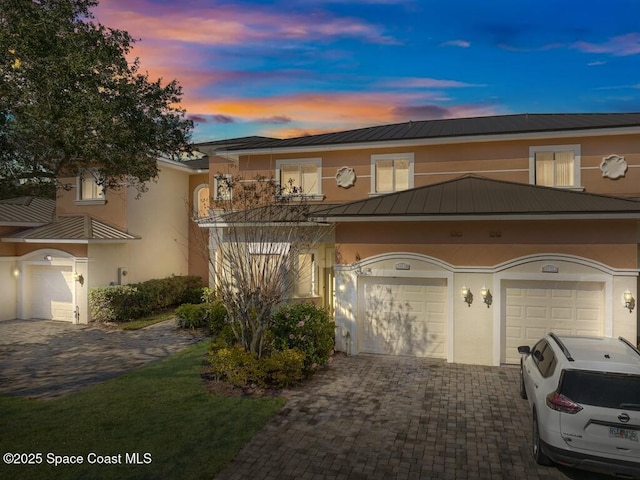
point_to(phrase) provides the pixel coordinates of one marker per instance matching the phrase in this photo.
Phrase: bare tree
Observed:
(262, 241)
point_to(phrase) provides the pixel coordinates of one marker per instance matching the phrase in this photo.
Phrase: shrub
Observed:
(307, 328)
(236, 366)
(118, 303)
(210, 315)
(284, 368)
(191, 316)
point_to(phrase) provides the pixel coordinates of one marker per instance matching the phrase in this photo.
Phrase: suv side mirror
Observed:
(524, 350)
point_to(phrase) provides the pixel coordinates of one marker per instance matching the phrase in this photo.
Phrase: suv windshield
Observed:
(602, 389)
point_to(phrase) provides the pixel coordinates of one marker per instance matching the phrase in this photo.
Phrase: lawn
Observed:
(155, 422)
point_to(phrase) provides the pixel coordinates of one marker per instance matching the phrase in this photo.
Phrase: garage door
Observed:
(535, 308)
(400, 316)
(50, 293)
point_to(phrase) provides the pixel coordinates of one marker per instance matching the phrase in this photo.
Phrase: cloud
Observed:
(596, 63)
(436, 112)
(222, 119)
(456, 43)
(275, 120)
(425, 82)
(232, 24)
(621, 46)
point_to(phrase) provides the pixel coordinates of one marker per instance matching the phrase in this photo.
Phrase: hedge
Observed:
(122, 303)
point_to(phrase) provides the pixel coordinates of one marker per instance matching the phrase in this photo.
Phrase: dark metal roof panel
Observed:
(475, 195)
(73, 227)
(457, 127)
(26, 211)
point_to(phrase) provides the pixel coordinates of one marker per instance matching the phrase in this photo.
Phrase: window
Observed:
(391, 172)
(201, 197)
(544, 358)
(303, 177)
(306, 275)
(555, 166)
(88, 187)
(222, 185)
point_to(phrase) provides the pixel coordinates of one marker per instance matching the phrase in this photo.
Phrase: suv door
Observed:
(609, 422)
(540, 366)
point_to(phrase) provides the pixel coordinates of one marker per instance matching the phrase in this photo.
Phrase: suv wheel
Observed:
(523, 391)
(538, 456)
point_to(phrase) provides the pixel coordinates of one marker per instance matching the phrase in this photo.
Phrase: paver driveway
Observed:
(377, 417)
(46, 359)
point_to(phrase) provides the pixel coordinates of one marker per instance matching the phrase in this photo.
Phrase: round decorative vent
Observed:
(613, 166)
(345, 177)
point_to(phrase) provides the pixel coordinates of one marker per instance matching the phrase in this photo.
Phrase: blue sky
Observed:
(290, 68)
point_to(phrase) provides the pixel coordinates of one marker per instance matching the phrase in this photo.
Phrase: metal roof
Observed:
(73, 229)
(476, 197)
(454, 128)
(26, 211)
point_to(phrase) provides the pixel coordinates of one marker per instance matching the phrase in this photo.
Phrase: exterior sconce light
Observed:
(629, 301)
(486, 296)
(15, 272)
(78, 278)
(467, 295)
(48, 258)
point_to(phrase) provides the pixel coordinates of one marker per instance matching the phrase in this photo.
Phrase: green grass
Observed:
(162, 409)
(146, 321)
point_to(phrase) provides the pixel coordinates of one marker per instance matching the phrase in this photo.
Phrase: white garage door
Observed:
(402, 316)
(50, 293)
(534, 308)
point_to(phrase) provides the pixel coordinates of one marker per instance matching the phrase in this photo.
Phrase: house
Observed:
(53, 252)
(461, 239)
(457, 239)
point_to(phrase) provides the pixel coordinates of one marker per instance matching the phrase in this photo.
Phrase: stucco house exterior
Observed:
(461, 239)
(457, 239)
(53, 252)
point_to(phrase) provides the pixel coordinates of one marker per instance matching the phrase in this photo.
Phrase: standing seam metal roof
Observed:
(476, 195)
(455, 127)
(70, 228)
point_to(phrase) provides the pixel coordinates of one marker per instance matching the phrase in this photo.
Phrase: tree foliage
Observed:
(262, 237)
(70, 100)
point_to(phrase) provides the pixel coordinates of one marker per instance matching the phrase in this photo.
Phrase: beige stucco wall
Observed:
(482, 243)
(503, 160)
(161, 217)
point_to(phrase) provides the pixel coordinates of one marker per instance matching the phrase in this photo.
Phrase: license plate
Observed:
(623, 433)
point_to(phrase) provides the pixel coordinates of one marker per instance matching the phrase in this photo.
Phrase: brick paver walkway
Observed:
(375, 417)
(47, 359)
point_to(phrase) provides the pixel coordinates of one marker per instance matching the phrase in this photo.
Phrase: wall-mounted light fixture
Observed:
(629, 301)
(486, 296)
(78, 278)
(48, 258)
(467, 295)
(15, 272)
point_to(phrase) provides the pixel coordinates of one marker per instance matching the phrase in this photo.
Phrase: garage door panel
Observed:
(402, 317)
(534, 308)
(50, 293)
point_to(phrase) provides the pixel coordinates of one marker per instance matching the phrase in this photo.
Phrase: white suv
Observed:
(584, 394)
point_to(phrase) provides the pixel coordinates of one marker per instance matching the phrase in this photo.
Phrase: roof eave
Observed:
(481, 216)
(437, 141)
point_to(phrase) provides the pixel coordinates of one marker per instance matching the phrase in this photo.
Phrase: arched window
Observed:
(201, 201)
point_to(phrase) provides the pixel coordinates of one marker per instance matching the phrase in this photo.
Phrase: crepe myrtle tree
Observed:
(71, 101)
(263, 236)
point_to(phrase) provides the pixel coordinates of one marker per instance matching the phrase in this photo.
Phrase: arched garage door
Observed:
(50, 292)
(534, 308)
(402, 316)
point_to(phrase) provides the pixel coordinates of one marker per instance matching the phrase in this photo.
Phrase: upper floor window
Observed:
(391, 172)
(201, 197)
(222, 187)
(88, 187)
(303, 177)
(555, 166)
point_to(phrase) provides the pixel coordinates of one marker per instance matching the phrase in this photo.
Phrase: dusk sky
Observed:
(288, 68)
